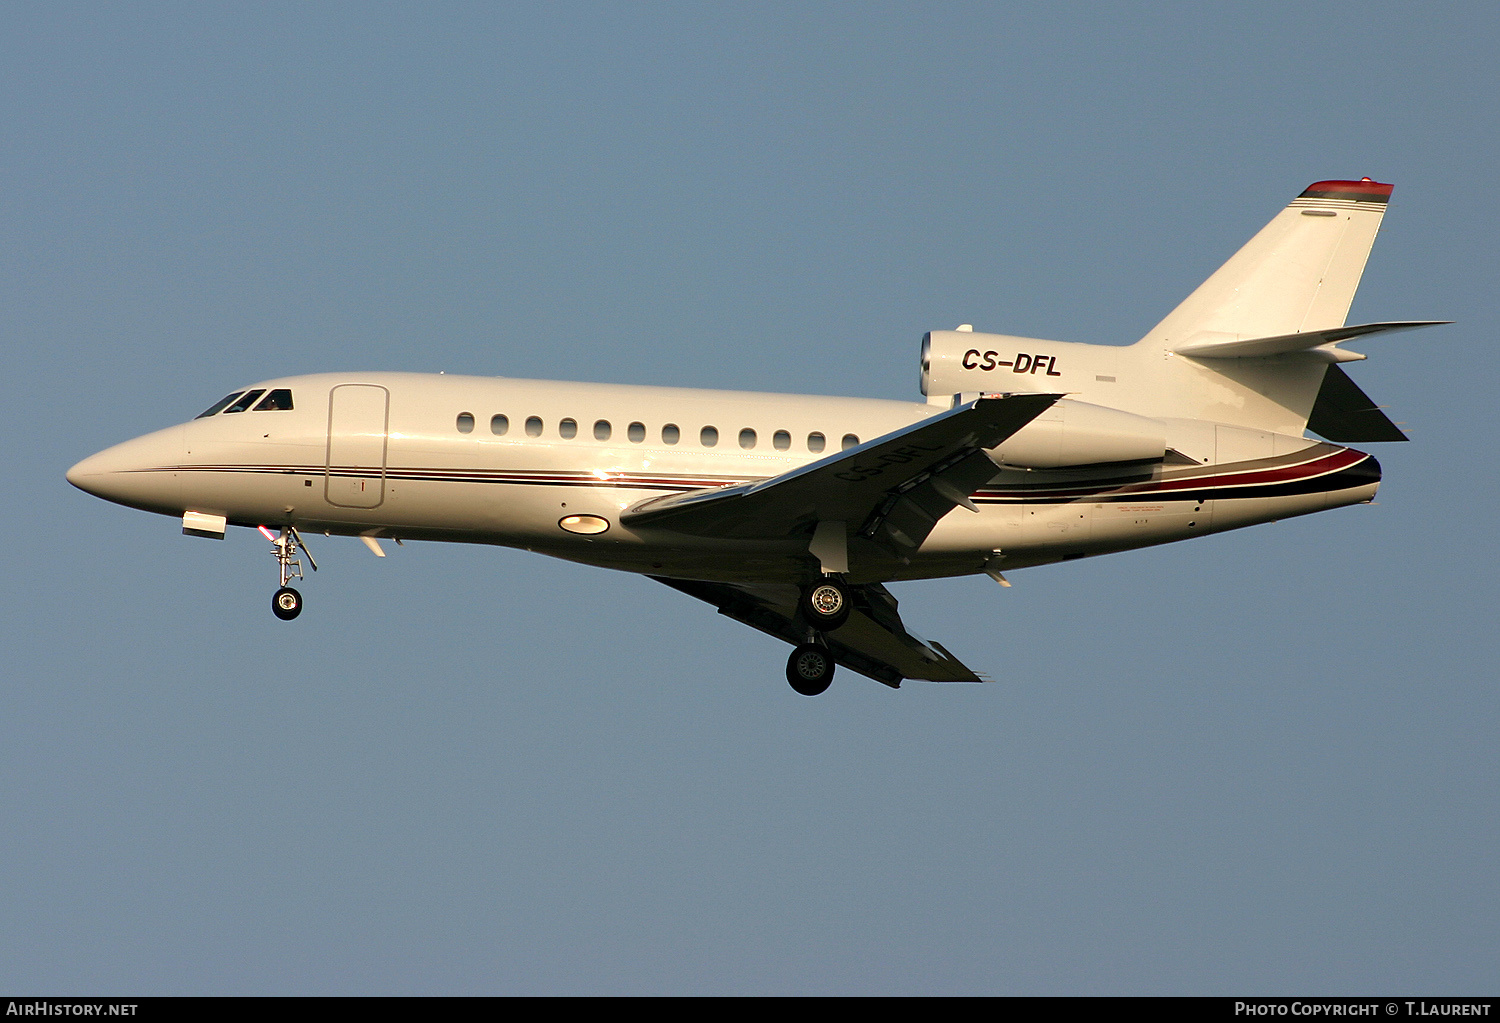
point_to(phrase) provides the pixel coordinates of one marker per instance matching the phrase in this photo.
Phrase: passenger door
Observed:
(358, 416)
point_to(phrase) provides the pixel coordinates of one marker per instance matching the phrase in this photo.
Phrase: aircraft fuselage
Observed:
(525, 463)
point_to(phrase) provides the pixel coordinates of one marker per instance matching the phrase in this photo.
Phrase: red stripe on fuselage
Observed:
(1325, 465)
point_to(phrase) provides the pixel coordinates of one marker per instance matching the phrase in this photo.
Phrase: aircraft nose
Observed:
(87, 474)
(142, 473)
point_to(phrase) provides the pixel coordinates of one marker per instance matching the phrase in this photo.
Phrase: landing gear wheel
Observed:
(810, 669)
(825, 605)
(286, 603)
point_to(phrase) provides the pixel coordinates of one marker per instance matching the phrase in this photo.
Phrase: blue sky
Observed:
(1256, 763)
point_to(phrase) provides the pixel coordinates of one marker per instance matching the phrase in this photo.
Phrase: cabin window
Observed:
(670, 434)
(533, 426)
(636, 432)
(747, 438)
(499, 425)
(279, 400)
(602, 430)
(708, 436)
(815, 442)
(466, 422)
(219, 406)
(781, 440)
(850, 441)
(567, 429)
(246, 400)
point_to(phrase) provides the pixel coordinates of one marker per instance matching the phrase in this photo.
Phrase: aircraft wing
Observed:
(891, 490)
(873, 641)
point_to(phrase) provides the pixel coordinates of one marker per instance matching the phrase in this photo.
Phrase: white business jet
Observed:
(790, 512)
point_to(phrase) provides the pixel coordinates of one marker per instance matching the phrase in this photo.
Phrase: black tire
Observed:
(810, 669)
(286, 603)
(825, 605)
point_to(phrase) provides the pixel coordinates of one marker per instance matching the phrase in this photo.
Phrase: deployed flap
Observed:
(872, 642)
(1260, 347)
(1345, 414)
(891, 489)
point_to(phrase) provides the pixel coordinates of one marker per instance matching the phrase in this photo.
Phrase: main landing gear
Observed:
(286, 603)
(825, 606)
(810, 669)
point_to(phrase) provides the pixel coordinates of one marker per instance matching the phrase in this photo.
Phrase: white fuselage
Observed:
(414, 456)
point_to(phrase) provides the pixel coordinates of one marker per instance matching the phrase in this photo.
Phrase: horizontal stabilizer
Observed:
(1283, 344)
(1345, 414)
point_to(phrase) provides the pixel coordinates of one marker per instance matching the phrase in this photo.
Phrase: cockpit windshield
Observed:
(279, 400)
(219, 405)
(245, 401)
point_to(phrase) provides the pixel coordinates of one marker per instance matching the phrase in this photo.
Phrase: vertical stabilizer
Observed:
(1299, 273)
(1297, 276)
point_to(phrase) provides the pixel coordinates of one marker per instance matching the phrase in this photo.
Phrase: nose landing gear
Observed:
(286, 603)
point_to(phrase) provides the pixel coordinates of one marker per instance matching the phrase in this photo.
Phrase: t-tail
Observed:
(1255, 348)
(1257, 344)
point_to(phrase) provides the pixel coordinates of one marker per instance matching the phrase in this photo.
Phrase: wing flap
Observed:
(873, 641)
(908, 515)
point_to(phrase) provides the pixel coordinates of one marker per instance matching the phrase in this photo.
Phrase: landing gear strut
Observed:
(286, 603)
(825, 604)
(810, 669)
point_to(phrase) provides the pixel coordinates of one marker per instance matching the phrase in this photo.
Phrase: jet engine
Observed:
(1077, 433)
(966, 363)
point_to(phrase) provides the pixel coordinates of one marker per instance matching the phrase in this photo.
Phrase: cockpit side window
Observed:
(246, 400)
(219, 405)
(279, 400)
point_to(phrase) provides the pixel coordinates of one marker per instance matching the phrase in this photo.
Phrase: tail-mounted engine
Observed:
(964, 363)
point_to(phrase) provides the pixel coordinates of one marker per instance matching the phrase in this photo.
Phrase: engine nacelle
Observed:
(1071, 432)
(961, 362)
(1077, 433)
